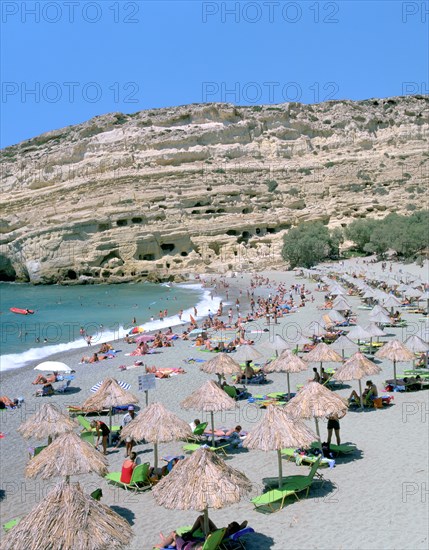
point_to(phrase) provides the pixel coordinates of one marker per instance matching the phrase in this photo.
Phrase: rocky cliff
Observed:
(200, 188)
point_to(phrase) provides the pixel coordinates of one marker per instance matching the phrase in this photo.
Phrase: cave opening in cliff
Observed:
(167, 247)
(72, 275)
(7, 271)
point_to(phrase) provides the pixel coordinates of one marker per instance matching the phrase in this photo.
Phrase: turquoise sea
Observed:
(104, 311)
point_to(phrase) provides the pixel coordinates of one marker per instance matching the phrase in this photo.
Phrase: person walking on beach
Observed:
(103, 433)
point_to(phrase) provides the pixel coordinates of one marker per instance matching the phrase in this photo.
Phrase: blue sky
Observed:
(63, 62)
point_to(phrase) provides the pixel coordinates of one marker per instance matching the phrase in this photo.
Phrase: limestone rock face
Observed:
(202, 188)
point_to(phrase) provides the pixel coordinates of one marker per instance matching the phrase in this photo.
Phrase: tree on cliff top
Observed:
(310, 243)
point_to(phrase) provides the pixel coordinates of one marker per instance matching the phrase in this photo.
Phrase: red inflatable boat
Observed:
(21, 311)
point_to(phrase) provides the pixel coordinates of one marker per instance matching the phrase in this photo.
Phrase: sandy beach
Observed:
(373, 499)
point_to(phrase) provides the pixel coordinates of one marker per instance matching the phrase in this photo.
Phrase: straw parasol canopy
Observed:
(324, 354)
(341, 305)
(68, 455)
(358, 333)
(315, 401)
(287, 362)
(380, 318)
(396, 352)
(200, 482)
(416, 344)
(343, 343)
(356, 368)
(277, 431)
(68, 519)
(222, 365)
(110, 394)
(246, 352)
(49, 421)
(391, 301)
(278, 343)
(157, 425)
(336, 316)
(209, 398)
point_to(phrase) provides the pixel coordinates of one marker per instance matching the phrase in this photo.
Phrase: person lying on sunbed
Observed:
(7, 402)
(234, 436)
(182, 541)
(49, 378)
(164, 372)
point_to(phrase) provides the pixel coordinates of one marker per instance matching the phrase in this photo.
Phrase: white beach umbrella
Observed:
(54, 366)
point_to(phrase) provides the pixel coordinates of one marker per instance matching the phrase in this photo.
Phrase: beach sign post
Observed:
(146, 383)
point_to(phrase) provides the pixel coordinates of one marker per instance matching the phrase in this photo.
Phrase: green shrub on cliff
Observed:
(310, 243)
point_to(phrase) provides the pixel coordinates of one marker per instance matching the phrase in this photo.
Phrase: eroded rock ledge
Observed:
(210, 187)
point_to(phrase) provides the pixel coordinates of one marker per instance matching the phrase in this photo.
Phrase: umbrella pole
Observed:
(318, 433)
(394, 371)
(49, 439)
(360, 394)
(212, 422)
(155, 455)
(288, 386)
(206, 521)
(279, 458)
(110, 426)
(320, 368)
(370, 346)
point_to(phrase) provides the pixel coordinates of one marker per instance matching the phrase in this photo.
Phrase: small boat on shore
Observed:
(21, 311)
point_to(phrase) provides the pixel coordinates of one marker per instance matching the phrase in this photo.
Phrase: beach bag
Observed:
(378, 403)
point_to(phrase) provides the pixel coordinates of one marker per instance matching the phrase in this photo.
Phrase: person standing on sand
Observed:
(333, 425)
(129, 443)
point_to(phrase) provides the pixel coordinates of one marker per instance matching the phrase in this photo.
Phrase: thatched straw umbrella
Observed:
(247, 353)
(200, 482)
(341, 305)
(157, 425)
(49, 421)
(374, 330)
(356, 368)
(358, 333)
(380, 318)
(277, 431)
(417, 345)
(287, 362)
(324, 354)
(209, 398)
(396, 352)
(69, 519)
(301, 341)
(222, 365)
(68, 455)
(277, 344)
(343, 343)
(316, 401)
(109, 395)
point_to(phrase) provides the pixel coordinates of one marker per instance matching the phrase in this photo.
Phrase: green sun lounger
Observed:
(343, 449)
(289, 453)
(87, 425)
(88, 437)
(292, 485)
(10, 524)
(139, 479)
(192, 447)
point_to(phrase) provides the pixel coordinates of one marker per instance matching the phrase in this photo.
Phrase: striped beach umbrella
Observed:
(98, 385)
